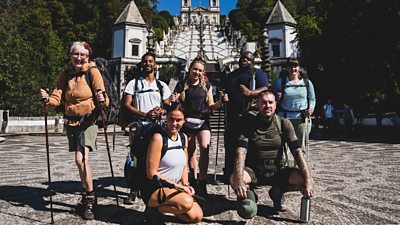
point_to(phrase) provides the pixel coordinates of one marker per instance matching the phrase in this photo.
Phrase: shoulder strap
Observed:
(282, 150)
(161, 89)
(183, 139)
(89, 79)
(307, 84)
(136, 85)
(283, 85)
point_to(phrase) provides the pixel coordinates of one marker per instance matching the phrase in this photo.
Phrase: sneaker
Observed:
(88, 207)
(278, 199)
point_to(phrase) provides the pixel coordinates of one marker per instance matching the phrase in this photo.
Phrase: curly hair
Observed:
(202, 80)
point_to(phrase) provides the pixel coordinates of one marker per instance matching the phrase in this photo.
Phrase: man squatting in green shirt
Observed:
(259, 155)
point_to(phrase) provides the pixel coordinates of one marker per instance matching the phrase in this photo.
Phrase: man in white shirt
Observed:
(145, 96)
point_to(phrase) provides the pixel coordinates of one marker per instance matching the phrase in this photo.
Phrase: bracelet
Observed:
(185, 185)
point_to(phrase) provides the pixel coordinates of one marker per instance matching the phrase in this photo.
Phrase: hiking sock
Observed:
(247, 208)
(89, 203)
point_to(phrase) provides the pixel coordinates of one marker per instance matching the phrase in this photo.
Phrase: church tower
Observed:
(186, 6)
(215, 12)
(281, 29)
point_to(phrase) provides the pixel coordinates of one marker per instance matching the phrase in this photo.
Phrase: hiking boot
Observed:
(277, 198)
(88, 203)
(153, 216)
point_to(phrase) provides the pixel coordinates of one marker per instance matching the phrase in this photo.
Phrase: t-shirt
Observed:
(263, 138)
(195, 104)
(294, 100)
(237, 102)
(148, 95)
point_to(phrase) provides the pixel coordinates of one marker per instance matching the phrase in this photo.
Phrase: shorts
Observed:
(205, 126)
(78, 139)
(279, 179)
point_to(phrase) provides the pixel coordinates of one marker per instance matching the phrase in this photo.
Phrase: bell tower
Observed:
(186, 6)
(215, 12)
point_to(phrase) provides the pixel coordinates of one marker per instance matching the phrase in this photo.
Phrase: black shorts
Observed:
(147, 190)
(279, 178)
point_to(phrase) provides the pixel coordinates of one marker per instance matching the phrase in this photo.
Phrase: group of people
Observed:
(255, 135)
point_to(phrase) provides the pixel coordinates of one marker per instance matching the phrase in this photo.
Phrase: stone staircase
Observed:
(217, 121)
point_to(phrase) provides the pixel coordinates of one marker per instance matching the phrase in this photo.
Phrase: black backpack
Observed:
(111, 112)
(135, 164)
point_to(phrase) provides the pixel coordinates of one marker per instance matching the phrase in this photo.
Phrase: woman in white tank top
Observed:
(171, 167)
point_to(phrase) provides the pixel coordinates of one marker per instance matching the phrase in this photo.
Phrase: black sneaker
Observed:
(278, 199)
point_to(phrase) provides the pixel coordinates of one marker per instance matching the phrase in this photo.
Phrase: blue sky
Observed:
(174, 6)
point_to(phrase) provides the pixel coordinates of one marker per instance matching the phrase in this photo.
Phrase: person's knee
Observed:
(196, 216)
(79, 162)
(185, 204)
(296, 178)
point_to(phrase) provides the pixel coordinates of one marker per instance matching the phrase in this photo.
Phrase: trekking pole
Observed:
(48, 158)
(108, 151)
(216, 155)
(307, 137)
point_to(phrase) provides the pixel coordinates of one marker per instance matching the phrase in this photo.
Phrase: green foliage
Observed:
(167, 16)
(36, 36)
(159, 34)
(169, 71)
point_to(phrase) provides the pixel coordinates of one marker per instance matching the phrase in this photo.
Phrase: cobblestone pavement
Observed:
(356, 182)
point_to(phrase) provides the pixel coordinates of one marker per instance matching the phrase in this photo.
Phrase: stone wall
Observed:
(12, 125)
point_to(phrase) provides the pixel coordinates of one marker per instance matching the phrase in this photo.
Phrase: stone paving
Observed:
(356, 182)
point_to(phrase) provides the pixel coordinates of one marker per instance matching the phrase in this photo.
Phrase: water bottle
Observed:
(305, 209)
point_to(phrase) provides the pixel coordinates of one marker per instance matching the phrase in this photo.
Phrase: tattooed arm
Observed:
(237, 181)
(301, 163)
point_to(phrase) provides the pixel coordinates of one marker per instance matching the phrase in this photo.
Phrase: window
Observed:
(276, 47)
(135, 50)
(185, 3)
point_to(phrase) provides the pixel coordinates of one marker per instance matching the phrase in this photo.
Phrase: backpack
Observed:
(111, 112)
(135, 164)
(125, 116)
(282, 156)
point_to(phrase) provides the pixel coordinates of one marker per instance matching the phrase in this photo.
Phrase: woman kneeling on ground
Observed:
(167, 187)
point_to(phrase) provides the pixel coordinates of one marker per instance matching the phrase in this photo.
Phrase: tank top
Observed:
(172, 163)
(195, 104)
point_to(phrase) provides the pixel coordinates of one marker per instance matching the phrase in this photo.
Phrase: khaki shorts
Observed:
(78, 139)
